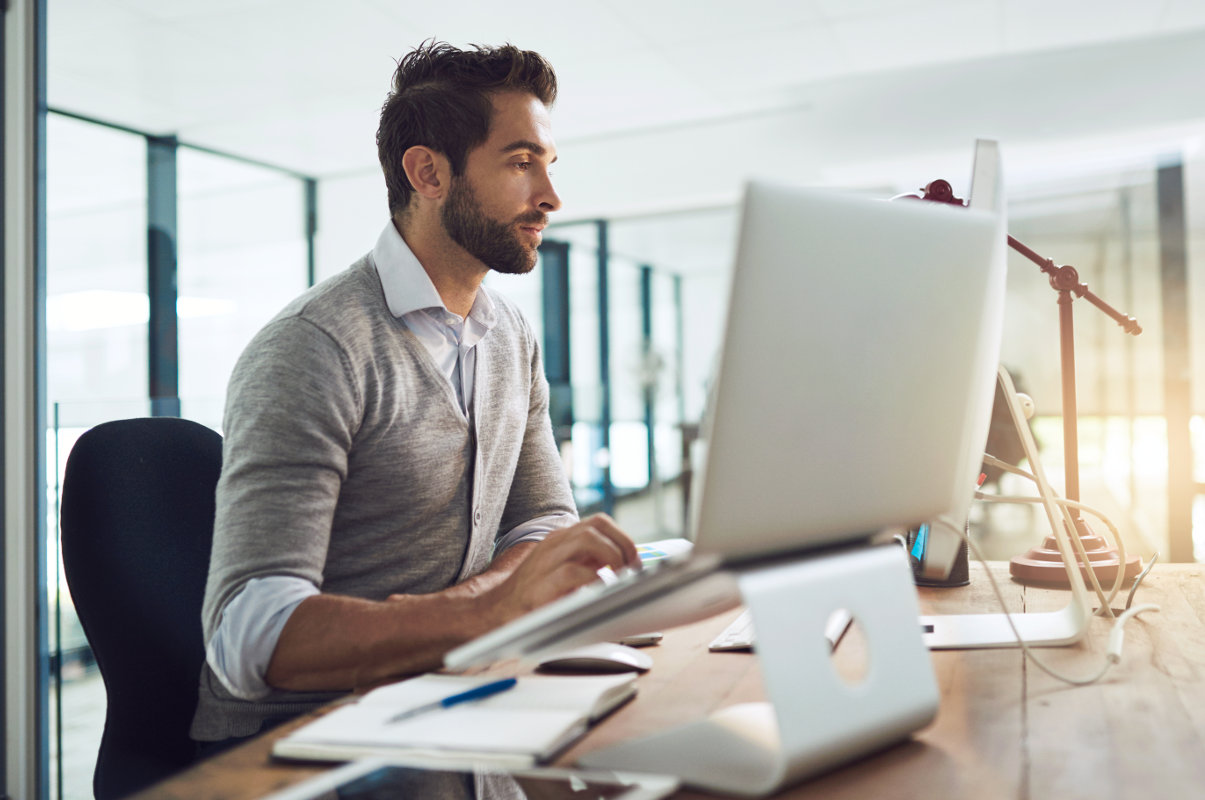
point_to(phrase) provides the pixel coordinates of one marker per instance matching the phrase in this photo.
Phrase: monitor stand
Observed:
(814, 720)
(1050, 628)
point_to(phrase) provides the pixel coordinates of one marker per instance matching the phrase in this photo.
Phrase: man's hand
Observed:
(334, 642)
(567, 559)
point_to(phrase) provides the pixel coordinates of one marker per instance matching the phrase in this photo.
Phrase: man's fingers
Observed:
(604, 525)
(568, 559)
(584, 544)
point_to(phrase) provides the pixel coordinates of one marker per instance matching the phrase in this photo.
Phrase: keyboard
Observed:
(739, 633)
(737, 636)
(669, 591)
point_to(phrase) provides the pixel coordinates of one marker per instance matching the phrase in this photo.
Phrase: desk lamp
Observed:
(1044, 564)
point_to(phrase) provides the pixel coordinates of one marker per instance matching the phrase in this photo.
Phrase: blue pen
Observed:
(463, 697)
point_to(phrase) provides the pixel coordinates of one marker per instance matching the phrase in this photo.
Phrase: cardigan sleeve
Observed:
(292, 413)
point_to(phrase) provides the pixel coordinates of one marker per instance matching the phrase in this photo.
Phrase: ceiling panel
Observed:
(1039, 24)
(657, 24)
(118, 65)
(629, 86)
(762, 61)
(835, 9)
(921, 33)
(295, 46)
(1181, 14)
(174, 11)
(581, 29)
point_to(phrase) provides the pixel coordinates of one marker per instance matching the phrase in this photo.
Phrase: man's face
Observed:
(497, 209)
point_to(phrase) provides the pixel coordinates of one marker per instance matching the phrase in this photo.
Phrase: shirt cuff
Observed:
(242, 646)
(533, 530)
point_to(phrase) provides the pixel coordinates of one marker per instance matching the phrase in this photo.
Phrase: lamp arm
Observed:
(1066, 279)
(1062, 279)
(1128, 324)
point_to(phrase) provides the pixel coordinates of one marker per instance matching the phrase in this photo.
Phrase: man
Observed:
(390, 486)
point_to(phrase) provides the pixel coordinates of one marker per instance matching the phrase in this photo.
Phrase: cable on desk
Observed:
(1117, 632)
(1106, 608)
(1112, 529)
(1114, 534)
(1106, 600)
(1138, 579)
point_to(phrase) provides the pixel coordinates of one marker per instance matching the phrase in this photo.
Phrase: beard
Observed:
(495, 244)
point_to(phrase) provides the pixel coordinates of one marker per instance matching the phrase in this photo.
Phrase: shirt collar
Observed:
(407, 286)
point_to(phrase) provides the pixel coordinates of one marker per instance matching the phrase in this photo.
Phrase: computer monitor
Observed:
(853, 394)
(858, 368)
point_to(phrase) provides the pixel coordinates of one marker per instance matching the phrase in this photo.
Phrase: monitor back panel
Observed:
(851, 361)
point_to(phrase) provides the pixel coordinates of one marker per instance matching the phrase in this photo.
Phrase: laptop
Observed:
(853, 394)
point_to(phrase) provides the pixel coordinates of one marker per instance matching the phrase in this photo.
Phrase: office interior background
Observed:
(240, 133)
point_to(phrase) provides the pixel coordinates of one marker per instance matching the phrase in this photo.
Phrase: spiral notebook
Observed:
(526, 725)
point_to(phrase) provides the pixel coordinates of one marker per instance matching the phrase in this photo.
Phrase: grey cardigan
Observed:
(347, 463)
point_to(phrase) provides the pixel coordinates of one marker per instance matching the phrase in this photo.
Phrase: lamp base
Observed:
(1044, 565)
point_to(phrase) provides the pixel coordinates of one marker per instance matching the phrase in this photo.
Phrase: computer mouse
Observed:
(601, 657)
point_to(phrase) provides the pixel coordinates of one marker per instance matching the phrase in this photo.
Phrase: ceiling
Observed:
(298, 83)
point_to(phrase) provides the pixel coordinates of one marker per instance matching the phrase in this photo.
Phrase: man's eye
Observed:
(522, 166)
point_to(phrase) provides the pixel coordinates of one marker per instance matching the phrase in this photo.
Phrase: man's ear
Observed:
(427, 170)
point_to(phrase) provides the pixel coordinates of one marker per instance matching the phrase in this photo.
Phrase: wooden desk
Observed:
(1005, 729)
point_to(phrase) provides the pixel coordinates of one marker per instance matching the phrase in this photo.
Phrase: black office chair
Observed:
(137, 526)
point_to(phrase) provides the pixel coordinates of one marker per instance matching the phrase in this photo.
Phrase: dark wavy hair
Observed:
(441, 98)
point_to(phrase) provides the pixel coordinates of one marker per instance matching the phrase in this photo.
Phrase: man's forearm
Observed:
(332, 642)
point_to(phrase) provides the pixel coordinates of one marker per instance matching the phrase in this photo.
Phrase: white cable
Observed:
(1114, 535)
(1116, 634)
(1106, 608)
(1138, 578)
(1054, 506)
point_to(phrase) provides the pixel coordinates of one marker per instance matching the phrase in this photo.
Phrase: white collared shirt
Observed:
(253, 619)
(411, 296)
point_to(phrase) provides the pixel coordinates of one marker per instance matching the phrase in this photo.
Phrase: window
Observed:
(242, 257)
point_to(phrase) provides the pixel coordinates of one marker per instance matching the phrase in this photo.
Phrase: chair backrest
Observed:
(137, 526)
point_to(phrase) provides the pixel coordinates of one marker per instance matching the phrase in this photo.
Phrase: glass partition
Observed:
(242, 258)
(663, 382)
(96, 369)
(96, 315)
(687, 259)
(626, 377)
(638, 393)
(588, 454)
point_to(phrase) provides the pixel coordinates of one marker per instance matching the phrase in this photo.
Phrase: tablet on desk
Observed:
(374, 779)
